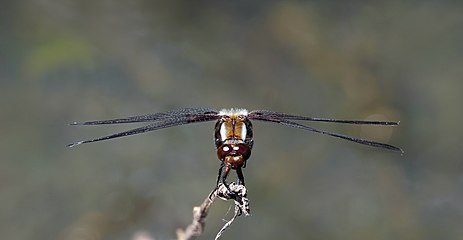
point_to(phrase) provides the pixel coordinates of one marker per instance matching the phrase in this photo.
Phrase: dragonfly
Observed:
(233, 131)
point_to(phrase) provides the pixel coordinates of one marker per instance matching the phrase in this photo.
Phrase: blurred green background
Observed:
(65, 61)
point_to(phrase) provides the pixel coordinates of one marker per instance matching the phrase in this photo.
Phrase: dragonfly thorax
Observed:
(233, 138)
(233, 128)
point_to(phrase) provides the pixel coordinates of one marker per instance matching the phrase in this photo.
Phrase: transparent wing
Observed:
(152, 117)
(159, 124)
(349, 138)
(269, 114)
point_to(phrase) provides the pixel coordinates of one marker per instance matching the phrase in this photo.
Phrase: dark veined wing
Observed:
(349, 138)
(271, 114)
(181, 117)
(152, 117)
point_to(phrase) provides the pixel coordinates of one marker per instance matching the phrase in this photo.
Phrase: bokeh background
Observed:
(65, 61)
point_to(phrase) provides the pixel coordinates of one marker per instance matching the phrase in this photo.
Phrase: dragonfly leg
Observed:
(219, 174)
(224, 177)
(239, 172)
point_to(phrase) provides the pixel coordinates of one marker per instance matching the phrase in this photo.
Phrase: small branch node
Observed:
(238, 193)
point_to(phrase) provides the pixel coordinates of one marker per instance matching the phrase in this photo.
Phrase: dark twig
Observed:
(196, 228)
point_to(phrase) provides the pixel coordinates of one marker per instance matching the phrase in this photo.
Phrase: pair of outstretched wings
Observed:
(192, 115)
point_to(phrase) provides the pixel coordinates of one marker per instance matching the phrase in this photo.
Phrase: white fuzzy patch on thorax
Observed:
(233, 112)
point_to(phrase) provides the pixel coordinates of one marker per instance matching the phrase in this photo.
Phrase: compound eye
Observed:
(241, 149)
(226, 149)
(234, 150)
